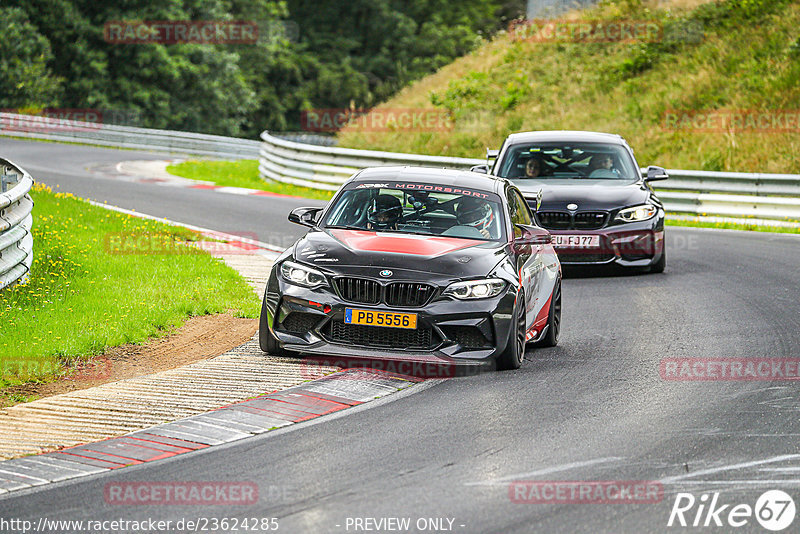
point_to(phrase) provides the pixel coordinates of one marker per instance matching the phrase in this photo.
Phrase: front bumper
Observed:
(639, 244)
(448, 330)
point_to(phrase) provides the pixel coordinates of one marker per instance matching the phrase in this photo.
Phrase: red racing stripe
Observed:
(401, 244)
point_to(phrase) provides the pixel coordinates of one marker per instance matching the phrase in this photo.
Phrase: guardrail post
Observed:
(6, 180)
(16, 240)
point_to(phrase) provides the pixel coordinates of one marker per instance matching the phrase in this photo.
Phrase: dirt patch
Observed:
(199, 338)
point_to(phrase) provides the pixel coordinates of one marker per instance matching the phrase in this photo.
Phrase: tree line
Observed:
(309, 54)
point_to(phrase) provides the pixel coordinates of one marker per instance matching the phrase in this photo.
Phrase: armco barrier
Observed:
(92, 133)
(727, 194)
(322, 167)
(16, 241)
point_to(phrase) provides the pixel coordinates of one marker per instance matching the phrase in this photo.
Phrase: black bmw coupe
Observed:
(587, 189)
(416, 264)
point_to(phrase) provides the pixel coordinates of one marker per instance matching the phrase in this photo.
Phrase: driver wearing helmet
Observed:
(476, 213)
(384, 213)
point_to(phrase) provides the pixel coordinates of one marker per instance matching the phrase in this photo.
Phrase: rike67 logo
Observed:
(774, 510)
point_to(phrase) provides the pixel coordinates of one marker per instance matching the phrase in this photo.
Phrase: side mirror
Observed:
(305, 216)
(656, 173)
(532, 235)
(483, 168)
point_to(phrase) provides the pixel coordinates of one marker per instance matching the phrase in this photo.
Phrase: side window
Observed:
(520, 213)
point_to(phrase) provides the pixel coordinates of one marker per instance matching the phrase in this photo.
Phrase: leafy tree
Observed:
(25, 78)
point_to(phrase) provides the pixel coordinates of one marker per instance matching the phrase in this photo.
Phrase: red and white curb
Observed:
(241, 420)
(155, 172)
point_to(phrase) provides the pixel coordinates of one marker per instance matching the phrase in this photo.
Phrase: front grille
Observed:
(554, 220)
(379, 336)
(359, 290)
(408, 294)
(570, 257)
(562, 220)
(469, 337)
(299, 322)
(363, 291)
(590, 220)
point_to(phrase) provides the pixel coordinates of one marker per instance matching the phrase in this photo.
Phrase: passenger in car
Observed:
(602, 166)
(477, 214)
(533, 168)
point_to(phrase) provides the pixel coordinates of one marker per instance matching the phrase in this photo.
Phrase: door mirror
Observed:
(482, 168)
(531, 235)
(305, 216)
(656, 173)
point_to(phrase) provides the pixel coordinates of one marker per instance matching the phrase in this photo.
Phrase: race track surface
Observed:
(594, 408)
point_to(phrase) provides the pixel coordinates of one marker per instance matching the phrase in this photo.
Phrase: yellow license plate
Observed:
(380, 318)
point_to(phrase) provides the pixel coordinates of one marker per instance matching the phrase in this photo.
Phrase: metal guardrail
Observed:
(321, 167)
(109, 135)
(730, 194)
(16, 220)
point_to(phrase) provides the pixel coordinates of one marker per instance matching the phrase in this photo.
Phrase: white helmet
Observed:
(474, 212)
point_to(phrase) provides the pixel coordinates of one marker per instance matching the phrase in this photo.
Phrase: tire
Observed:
(266, 340)
(658, 267)
(512, 357)
(553, 319)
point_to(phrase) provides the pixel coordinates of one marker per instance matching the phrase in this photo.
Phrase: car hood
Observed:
(408, 256)
(587, 194)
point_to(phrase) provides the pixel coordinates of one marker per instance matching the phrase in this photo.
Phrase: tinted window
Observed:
(418, 208)
(542, 161)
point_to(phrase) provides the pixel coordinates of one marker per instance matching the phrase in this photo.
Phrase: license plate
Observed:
(380, 318)
(576, 241)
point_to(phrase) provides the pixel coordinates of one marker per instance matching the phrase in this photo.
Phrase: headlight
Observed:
(301, 275)
(475, 289)
(637, 213)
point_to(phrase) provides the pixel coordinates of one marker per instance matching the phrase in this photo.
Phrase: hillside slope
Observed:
(738, 56)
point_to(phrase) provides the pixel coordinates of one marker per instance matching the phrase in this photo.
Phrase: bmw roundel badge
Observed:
(386, 273)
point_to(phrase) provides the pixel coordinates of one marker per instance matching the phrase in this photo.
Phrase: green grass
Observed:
(747, 58)
(84, 296)
(242, 173)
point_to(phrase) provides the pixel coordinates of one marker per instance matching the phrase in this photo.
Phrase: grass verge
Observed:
(242, 173)
(734, 55)
(93, 285)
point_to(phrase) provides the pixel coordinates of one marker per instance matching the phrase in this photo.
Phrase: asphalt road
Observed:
(592, 409)
(89, 172)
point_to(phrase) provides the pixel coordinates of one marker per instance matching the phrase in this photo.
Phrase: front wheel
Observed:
(512, 357)
(266, 340)
(553, 319)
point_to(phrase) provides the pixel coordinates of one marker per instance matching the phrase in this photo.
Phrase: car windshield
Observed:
(544, 161)
(418, 208)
